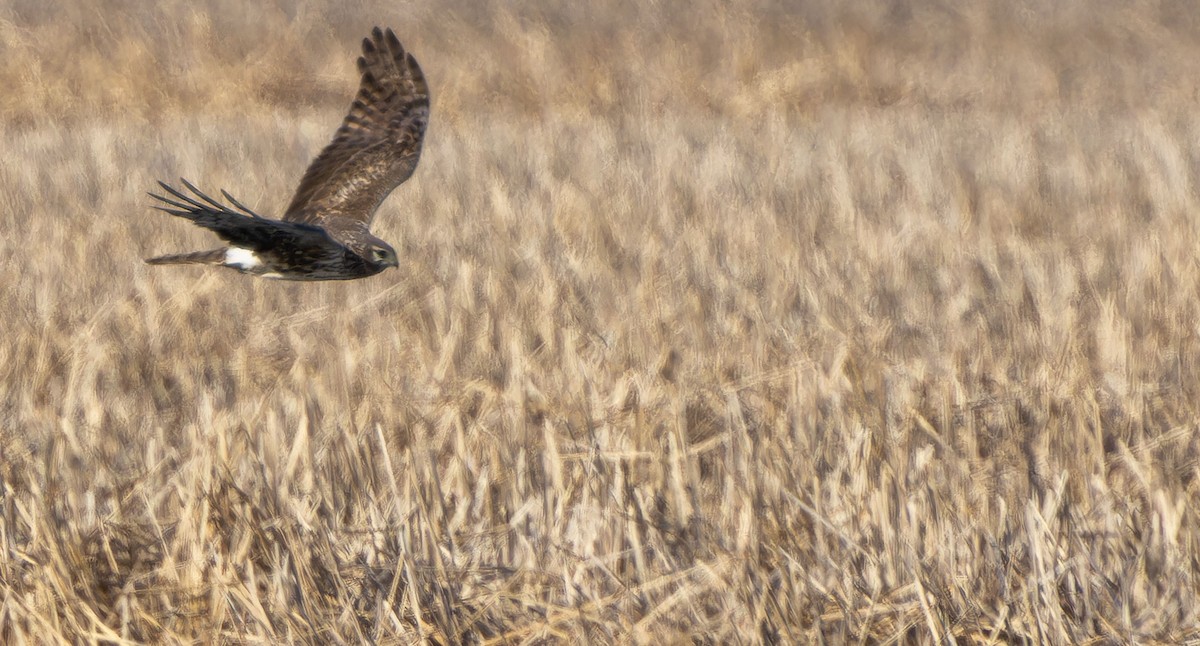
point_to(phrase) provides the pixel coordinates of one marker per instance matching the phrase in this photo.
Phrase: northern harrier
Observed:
(324, 233)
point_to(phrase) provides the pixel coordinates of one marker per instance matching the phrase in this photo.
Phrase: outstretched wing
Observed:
(241, 228)
(377, 146)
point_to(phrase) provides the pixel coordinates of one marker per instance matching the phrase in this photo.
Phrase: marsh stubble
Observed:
(741, 323)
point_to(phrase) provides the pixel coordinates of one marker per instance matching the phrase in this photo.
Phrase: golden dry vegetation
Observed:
(717, 322)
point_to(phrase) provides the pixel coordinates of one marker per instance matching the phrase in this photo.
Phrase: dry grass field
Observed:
(716, 322)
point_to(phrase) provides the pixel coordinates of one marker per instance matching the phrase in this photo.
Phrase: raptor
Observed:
(325, 232)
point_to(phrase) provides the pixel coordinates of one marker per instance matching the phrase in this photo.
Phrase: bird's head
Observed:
(380, 255)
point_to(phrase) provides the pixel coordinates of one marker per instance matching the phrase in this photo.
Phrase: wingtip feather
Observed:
(392, 41)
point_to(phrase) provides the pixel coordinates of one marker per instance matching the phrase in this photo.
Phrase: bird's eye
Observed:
(379, 254)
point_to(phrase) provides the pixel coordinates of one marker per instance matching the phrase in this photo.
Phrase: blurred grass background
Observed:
(758, 322)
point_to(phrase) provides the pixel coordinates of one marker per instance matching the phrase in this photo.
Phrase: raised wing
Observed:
(377, 146)
(242, 228)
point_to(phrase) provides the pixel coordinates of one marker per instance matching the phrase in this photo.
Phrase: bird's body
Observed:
(325, 232)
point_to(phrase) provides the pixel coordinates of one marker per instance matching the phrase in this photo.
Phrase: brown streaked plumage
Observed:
(325, 232)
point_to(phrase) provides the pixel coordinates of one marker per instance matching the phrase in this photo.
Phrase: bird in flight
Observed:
(324, 234)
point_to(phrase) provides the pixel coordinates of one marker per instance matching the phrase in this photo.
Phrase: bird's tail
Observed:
(213, 257)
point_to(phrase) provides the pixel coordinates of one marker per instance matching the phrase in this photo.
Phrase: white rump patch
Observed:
(241, 258)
